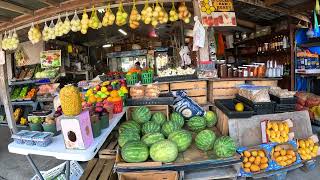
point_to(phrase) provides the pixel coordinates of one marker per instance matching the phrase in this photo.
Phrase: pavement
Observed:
(17, 167)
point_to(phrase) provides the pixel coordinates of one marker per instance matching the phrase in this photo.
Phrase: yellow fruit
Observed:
(269, 125)
(277, 148)
(245, 159)
(246, 153)
(308, 156)
(307, 151)
(246, 169)
(286, 129)
(254, 168)
(264, 160)
(311, 142)
(283, 133)
(282, 163)
(276, 154)
(291, 152)
(313, 154)
(283, 152)
(284, 158)
(254, 153)
(275, 126)
(92, 99)
(294, 159)
(263, 165)
(70, 100)
(261, 153)
(278, 133)
(303, 157)
(247, 165)
(251, 159)
(302, 144)
(289, 157)
(257, 160)
(288, 162)
(239, 106)
(272, 134)
(279, 159)
(281, 127)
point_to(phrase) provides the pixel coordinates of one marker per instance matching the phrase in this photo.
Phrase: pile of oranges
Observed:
(254, 161)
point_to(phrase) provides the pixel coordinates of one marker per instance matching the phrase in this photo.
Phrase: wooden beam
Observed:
(303, 7)
(247, 24)
(272, 2)
(50, 2)
(261, 4)
(5, 19)
(15, 8)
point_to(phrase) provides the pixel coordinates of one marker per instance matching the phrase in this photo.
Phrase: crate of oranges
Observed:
(308, 148)
(255, 160)
(276, 131)
(284, 154)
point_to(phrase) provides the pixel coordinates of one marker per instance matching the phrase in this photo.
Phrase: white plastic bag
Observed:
(199, 35)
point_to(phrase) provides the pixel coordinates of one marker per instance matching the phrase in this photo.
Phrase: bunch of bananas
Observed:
(121, 16)
(184, 13)
(84, 22)
(34, 34)
(94, 21)
(109, 17)
(134, 17)
(146, 13)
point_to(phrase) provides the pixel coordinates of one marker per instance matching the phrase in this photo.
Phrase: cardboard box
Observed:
(315, 140)
(147, 175)
(264, 124)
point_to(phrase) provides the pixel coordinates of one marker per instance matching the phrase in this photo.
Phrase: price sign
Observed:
(223, 5)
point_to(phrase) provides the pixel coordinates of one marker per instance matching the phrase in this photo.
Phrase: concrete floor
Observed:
(17, 167)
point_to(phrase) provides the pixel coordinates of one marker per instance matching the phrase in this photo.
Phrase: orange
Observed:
(99, 99)
(92, 99)
(114, 93)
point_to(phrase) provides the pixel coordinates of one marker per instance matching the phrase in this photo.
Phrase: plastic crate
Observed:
(278, 100)
(280, 108)
(117, 107)
(132, 79)
(147, 78)
(258, 107)
(152, 101)
(227, 106)
(176, 78)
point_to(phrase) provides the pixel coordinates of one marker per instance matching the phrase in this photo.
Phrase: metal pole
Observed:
(67, 170)
(34, 167)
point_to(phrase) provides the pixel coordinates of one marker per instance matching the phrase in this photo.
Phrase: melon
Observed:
(224, 147)
(129, 125)
(177, 118)
(197, 123)
(169, 127)
(164, 151)
(152, 138)
(135, 151)
(211, 118)
(150, 127)
(127, 136)
(205, 140)
(182, 138)
(159, 118)
(141, 114)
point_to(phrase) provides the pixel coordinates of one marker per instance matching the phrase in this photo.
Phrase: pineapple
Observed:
(70, 100)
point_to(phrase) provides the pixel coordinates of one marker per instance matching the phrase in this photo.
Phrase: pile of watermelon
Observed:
(161, 139)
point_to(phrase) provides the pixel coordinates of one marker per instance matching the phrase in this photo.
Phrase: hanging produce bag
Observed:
(317, 9)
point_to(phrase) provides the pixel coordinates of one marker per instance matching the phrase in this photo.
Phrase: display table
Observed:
(57, 148)
(88, 74)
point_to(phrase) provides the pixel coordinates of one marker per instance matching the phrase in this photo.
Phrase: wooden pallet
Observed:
(222, 89)
(148, 175)
(98, 169)
(153, 108)
(196, 90)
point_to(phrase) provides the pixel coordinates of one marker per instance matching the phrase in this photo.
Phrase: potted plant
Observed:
(35, 123)
(49, 125)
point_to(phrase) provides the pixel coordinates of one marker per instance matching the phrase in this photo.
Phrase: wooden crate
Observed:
(164, 88)
(222, 123)
(148, 175)
(196, 90)
(98, 169)
(222, 89)
(272, 83)
(153, 108)
(109, 151)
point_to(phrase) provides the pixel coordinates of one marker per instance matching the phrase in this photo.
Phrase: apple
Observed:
(109, 88)
(99, 104)
(98, 87)
(98, 109)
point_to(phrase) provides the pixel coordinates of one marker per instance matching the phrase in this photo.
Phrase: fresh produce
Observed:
(58, 28)
(152, 138)
(174, 72)
(277, 131)
(159, 118)
(23, 92)
(31, 94)
(75, 23)
(17, 114)
(134, 17)
(211, 118)
(128, 136)
(23, 121)
(141, 114)
(152, 91)
(70, 100)
(173, 15)
(109, 17)
(48, 31)
(150, 127)
(205, 140)
(66, 25)
(15, 93)
(197, 123)
(182, 138)
(129, 126)
(146, 13)
(121, 16)
(94, 21)
(239, 107)
(84, 22)
(254, 160)
(35, 119)
(11, 41)
(177, 118)
(49, 120)
(283, 156)
(307, 149)
(224, 147)
(164, 151)
(135, 151)
(155, 14)
(169, 127)
(163, 15)
(34, 34)
(184, 13)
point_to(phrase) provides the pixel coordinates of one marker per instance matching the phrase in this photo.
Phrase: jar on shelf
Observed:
(230, 73)
(235, 72)
(223, 71)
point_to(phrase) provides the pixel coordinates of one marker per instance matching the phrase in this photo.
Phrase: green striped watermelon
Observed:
(159, 118)
(150, 127)
(164, 151)
(224, 147)
(177, 118)
(205, 140)
(169, 127)
(182, 138)
(152, 138)
(129, 125)
(197, 123)
(127, 136)
(141, 114)
(135, 151)
(211, 118)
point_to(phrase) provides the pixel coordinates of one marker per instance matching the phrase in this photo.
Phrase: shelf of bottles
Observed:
(278, 43)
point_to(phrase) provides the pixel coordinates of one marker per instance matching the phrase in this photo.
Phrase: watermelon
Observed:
(159, 118)
(164, 151)
(129, 125)
(150, 127)
(197, 123)
(127, 136)
(211, 118)
(135, 151)
(224, 147)
(169, 127)
(182, 138)
(177, 118)
(141, 114)
(205, 140)
(152, 138)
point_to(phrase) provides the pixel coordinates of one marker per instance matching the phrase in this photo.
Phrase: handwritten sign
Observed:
(50, 58)
(223, 5)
